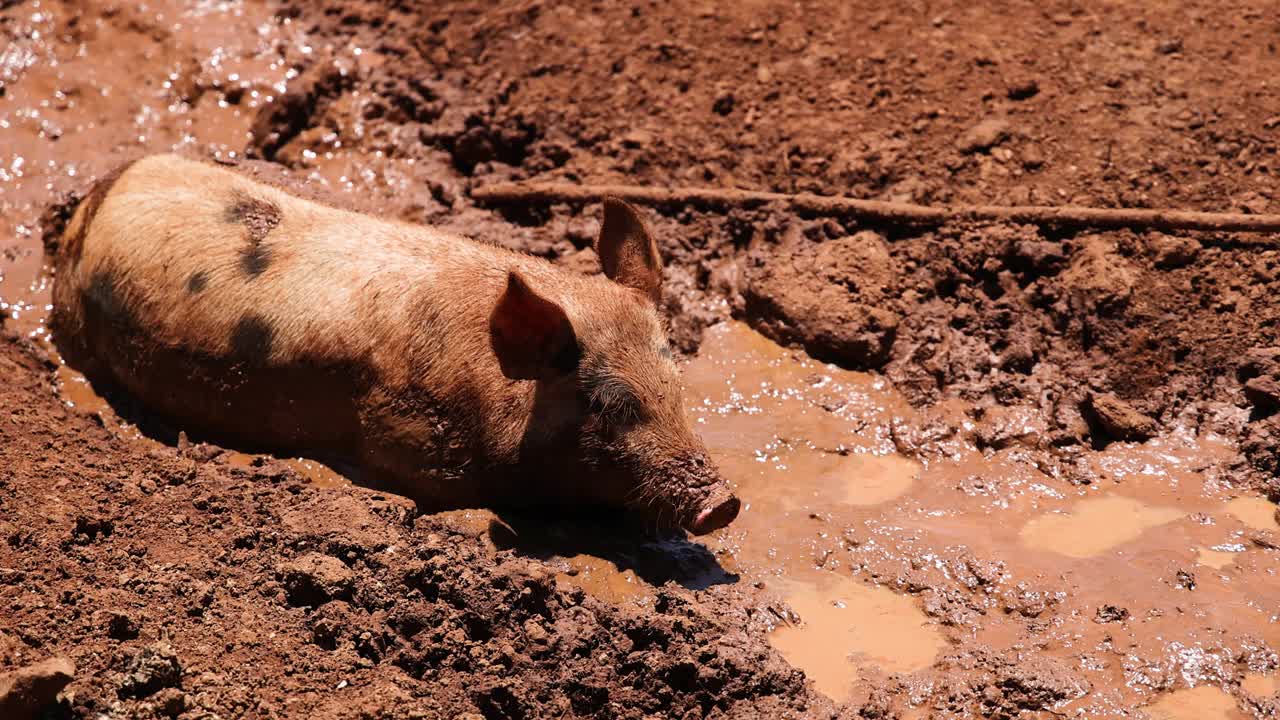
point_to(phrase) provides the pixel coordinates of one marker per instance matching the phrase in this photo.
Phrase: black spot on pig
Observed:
(198, 281)
(92, 203)
(259, 218)
(104, 297)
(251, 340)
(254, 260)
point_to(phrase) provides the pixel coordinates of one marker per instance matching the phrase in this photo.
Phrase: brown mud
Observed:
(1000, 471)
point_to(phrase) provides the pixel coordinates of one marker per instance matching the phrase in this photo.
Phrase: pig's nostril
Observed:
(716, 515)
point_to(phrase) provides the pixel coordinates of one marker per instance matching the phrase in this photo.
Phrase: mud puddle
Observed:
(837, 523)
(1255, 512)
(603, 579)
(848, 627)
(1199, 703)
(807, 446)
(315, 472)
(1261, 685)
(1095, 525)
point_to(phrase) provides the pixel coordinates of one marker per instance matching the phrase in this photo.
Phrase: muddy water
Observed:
(77, 393)
(1216, 559)
(1255, 512)
(786, 430)
(835, 520)
(832, 512)
(313, 471)
(1095, 525)
(1261, 685)
(604, 579)
(847, 624)
(803, 442)
(1200, 703)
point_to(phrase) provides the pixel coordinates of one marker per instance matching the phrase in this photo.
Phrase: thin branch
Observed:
(892, 212)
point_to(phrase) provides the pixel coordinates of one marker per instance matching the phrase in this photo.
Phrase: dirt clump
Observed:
(1119, 420)
(314, 579)
(826, 297)
(151, 669)
(25, 692)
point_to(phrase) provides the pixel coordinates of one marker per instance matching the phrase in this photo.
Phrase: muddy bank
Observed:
(1032, 483)
(180, 580)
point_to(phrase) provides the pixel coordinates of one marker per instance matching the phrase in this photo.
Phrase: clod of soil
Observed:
(27, 691)
(827, 297)
(1119, 420)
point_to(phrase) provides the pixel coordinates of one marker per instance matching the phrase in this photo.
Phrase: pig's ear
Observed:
(627, 252)
(530, 334)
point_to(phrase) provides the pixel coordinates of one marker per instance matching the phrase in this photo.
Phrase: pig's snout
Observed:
(718, 511)
(687, 491)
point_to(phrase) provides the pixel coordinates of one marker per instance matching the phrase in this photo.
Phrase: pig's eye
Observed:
(614, 402)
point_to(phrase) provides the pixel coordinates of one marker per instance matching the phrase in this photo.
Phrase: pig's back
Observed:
(242, 309)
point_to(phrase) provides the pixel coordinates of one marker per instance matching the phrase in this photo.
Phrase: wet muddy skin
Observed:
(943, 534)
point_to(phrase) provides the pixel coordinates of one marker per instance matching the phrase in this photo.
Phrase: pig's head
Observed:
(604, 360)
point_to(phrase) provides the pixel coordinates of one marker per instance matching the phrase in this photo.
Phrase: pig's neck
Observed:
(435, 361)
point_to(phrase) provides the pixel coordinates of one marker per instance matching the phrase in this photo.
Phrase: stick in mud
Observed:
(893, 212)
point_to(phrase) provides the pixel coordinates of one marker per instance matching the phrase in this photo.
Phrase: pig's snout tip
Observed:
(717, 513)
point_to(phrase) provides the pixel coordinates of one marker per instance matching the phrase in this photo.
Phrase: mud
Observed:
(991, 471)
(1094, 526)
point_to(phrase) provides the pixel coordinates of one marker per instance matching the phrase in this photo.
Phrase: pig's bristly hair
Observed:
(258, 281)
(645, 497)
(653, 493)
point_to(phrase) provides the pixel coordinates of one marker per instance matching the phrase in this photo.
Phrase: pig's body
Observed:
(464, 373)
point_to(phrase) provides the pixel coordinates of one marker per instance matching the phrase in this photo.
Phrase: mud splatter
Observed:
(259, 217)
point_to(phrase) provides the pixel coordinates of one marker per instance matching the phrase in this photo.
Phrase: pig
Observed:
(456, 372)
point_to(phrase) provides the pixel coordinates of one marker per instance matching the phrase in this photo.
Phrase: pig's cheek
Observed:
(612, 434)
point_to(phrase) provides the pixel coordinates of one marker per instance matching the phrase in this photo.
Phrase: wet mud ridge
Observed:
(987, 470)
